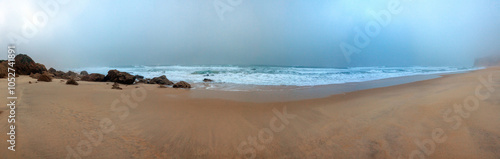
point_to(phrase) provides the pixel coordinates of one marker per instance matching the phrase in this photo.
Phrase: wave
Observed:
(273, 75)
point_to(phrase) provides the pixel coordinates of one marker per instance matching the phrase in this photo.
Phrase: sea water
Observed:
(276, 76)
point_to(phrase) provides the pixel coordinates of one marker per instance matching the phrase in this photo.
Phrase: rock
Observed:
(84, 73)
(59, 74)
(95, 77)
(139, 77)
(45, 77)
(207, 80)
(35, 75)
(52, 70)
(116, 86)
(3, 69)
(120, 77)
(161, 80)
(70, 74)
(162, 86)
(182, 84)
(25, 65)
(29, 82)
(143, 80)
(71, 82)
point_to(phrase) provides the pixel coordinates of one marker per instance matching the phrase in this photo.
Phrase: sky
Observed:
(69, 34)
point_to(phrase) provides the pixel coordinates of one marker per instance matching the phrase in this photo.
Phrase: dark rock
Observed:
(3, 69)
(25, 65)
(139, 77)
(120, 77)
(29, 82)
(116, 86)
(95, 77)
(162, 86)
(45, 77)
(207, 80)
(59, 74)
(70, 75)
(161, 80)
(71, 82)
(182, 84)
(35, 75)
(52, 70)
(84, 73)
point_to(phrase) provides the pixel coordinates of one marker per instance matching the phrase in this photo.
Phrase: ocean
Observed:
(276, 76)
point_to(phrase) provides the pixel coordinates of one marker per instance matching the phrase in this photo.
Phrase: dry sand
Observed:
(53, 118)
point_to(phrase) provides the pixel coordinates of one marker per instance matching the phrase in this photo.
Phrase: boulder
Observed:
(3, 69)
(161, 80)
(59, 74)
(25, 65)
(70, 75)
(207, 80)
(120, 77)
(52, 70)
(71, 82)
(84, 73)
(95, 77)
(35, 75)
(182, 84)
(45, 77)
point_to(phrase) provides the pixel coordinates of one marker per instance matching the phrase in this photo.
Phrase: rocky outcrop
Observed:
(71, 82)
(59, 74)
(35, 75)
(95, 77)
(52, 70)
(182, 84)
(25, 65)
(70, 75)
(161, 80)
(84, 73)
(120, 77)
(3, 69)
(45, 77)
(488, 61)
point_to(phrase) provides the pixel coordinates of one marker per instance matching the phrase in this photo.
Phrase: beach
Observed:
(91, 120)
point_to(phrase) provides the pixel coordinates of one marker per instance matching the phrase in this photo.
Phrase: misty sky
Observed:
(255, 32)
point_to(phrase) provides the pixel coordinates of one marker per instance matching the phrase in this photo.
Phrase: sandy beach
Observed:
(426, 118)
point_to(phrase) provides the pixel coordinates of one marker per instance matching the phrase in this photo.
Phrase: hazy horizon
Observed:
(278, 33)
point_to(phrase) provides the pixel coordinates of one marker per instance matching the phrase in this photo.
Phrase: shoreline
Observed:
(264, 94)
(381, 122)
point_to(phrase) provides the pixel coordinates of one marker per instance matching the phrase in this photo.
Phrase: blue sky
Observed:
(258, 32)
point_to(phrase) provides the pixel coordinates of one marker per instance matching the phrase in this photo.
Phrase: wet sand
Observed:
(91, 120)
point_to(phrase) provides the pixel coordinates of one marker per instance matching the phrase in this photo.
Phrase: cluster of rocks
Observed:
(162, 81)
(24, 65)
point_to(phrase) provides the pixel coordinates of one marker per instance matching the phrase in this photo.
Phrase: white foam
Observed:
(286, 76)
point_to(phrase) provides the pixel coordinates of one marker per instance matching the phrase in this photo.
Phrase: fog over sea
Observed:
(274, 75)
